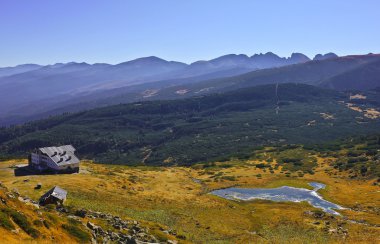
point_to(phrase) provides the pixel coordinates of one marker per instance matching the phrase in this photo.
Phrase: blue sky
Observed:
(50, 31)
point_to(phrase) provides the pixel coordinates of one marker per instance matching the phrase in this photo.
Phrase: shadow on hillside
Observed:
(27, 170)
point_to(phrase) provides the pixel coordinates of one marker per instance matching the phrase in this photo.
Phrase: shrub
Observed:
(260, 165)
(23, 223)
(38, 223)
(74, 230)
(231, 178)
(50, 207)
(363, 170)
(226, 166)
(133, 178)
(5, 222)
(46, 224)
(53, 218)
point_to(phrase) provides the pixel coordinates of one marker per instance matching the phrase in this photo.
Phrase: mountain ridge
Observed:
(155, 86)
(50, 81)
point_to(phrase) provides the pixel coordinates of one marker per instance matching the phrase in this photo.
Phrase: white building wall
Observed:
(72, 166)
(49, 163)
(35, 158)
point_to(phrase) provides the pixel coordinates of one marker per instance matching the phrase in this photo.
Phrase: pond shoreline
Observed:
(281, 194)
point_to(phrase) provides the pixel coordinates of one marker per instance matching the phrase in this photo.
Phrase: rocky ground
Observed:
(128, 231)
(118, 231)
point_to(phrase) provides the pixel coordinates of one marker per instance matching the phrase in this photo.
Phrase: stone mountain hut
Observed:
(56, 195)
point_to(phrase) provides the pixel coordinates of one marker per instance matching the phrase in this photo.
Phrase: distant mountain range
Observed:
(7, 71)
(33, 91)
(63, 81)
(33, 81)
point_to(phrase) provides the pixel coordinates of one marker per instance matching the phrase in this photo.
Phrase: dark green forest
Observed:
(200, 129)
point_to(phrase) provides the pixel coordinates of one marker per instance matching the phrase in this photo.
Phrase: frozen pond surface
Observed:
(281, 194)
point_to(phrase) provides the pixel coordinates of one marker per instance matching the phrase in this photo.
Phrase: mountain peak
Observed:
(299, 58)
(150, 60)
(325, 56)
(145, 60)
(229, 59)
(267, 54)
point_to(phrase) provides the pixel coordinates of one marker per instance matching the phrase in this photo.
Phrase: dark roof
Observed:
(56, 192)
(62, 155)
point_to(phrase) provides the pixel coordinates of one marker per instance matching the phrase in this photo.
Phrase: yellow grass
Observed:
(47, 235)
(370, 113)
(171, 197)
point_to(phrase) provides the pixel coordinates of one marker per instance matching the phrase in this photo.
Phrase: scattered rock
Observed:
(114, 236)
(136, 233)
(38, 186)
(74, 217)
(333, 231)
(35, 205)
(3, 200)
(81, 213)
(318, 214)
(62, 209)
(10, 195)
(16, 192)
(91, 226)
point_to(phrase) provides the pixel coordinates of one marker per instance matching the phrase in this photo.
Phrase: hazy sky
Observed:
(113, 31)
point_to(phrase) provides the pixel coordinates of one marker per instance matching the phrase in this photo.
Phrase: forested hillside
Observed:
(200, 129)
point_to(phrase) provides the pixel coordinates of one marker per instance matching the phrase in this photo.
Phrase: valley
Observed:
(189, 122)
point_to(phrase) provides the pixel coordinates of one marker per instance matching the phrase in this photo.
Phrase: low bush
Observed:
(38, 223)
(75, 230)
(5, 221)
(23, 223)
(230, 178)
(46, 224)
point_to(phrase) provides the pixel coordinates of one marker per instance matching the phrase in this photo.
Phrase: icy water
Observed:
(281, 194)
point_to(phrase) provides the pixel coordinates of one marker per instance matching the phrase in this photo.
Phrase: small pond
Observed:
(281, 194)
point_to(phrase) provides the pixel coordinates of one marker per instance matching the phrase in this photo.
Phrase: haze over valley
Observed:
(58, 88)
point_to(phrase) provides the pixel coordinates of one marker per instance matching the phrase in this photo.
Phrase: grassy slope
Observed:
(171, 197)
(20, 223)
(201, 129)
